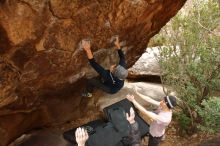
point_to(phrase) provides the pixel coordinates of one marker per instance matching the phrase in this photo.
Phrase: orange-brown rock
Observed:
(42, 70)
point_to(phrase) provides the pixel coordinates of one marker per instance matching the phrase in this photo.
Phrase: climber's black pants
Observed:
(97, 83)
(154, 141)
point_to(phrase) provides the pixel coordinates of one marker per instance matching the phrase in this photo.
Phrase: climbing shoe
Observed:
(87, 94)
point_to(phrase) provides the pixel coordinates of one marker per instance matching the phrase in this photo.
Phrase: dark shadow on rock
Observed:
(22, 55)
(5, 43)
(44, 138)
(145, 78)
(2, 1)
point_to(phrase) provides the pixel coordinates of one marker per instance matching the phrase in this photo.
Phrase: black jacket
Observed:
(111, 81)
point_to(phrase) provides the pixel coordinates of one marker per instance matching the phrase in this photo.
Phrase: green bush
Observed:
(190, 61)
(184, 121)
(210, 114)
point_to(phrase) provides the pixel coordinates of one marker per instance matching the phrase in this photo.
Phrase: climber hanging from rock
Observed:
(113, 79)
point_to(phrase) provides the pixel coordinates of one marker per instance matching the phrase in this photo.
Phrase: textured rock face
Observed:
(41, 68)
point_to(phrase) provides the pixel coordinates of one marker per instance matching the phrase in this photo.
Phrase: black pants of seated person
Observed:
(154, 141)
(97, 83)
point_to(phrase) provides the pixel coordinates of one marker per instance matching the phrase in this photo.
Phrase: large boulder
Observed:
(147, 66)
(42, 69)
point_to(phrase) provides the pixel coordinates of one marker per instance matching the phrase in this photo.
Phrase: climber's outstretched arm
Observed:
(87, 47)
(120, 53)
(147, 98)
(98, 68)
(149, 114)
